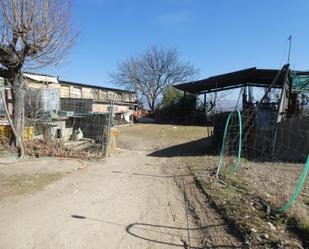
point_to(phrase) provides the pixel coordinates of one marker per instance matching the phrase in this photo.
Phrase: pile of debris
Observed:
(40, 148)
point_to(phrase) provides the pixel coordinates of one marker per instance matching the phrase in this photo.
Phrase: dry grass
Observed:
(276, 183)
(155, 136)
(21, 184)
(261, 182)
(39, 148)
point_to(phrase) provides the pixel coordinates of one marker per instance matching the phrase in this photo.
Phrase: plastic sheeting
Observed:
(300, 81)
(42, 100)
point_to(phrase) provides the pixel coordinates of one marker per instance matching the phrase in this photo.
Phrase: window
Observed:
(64, 91)
(77, 92)
(118, 96)
(128, 97)
(103, 95)
(95, 94)
(132, 97)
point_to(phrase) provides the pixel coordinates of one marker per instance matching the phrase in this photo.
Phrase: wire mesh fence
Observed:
(56, 126)
(268, 157)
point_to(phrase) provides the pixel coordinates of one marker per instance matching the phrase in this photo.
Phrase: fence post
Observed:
(109, 124)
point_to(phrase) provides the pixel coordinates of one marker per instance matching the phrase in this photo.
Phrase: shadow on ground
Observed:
(181, 233)
(200, 147)
(151, 175)
(162, 234)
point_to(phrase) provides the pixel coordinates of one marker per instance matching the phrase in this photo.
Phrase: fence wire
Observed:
(55, 126)
(273, 159)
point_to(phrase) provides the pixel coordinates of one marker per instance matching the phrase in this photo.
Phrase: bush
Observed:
(175, 105)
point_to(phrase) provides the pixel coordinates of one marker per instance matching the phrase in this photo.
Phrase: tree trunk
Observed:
(18, 96)
(151, 105)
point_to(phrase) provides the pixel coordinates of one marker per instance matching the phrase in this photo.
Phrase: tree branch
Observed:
(152, 72)
(5, 73)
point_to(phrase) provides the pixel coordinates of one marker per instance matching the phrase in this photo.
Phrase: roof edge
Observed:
(94, 86)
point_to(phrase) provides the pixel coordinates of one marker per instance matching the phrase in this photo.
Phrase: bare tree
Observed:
(152, 72)
(33, 33)
(214, 100)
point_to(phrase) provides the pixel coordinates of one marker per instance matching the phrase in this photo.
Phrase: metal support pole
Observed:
(282, 106)
(109, 125)
(290, 44)
(205, 110)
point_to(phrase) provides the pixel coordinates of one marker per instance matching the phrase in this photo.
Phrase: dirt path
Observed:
(120, 203)
(128, 201)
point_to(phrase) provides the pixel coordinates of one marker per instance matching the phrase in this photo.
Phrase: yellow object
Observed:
(6, 132)
(114, 133)
(28, 133)
(112, 146)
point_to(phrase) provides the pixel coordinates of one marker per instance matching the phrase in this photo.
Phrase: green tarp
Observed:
(300, 81)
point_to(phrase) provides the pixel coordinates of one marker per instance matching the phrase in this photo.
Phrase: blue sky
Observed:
(216, 36)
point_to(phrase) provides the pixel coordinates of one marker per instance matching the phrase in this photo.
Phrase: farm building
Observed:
(100, 97)
(124, 100)
(60, 109)
(272, 127)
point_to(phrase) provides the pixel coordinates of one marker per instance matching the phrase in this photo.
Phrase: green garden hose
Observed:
(300, 183)
(224, 139)
(297, 190)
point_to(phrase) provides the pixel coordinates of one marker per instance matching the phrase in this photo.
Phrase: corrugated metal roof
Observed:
(94, 86)
(41, 78)
(251, 76)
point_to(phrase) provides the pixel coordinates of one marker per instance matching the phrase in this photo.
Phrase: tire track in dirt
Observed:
(210, 229)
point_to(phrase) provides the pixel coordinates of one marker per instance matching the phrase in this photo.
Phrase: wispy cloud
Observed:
(172, 18)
